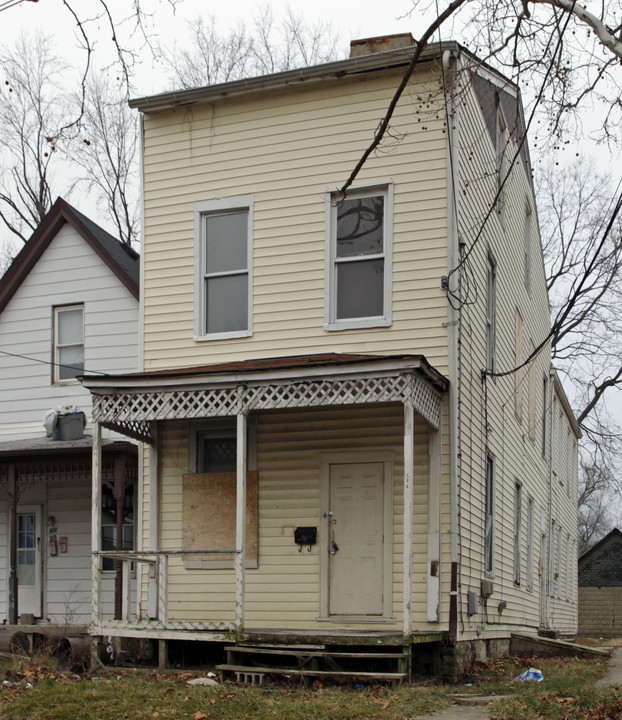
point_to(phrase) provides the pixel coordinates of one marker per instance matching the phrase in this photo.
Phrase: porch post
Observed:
(154, 522)
(409, 470)
(434, 526)
(240, 521)
(96, 501)
(13, 585)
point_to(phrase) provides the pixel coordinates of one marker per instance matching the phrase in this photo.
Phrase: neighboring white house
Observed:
(68, 305)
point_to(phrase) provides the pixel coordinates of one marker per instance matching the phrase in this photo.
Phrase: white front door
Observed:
(356, 539)
(29, 541)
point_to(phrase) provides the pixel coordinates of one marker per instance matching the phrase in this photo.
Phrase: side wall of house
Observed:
(507, 418)
(288, 149)
(69, 272)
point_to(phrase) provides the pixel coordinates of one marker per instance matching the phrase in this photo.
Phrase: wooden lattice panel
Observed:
(131, 412)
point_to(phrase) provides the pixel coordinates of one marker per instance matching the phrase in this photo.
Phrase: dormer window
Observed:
(68, 348)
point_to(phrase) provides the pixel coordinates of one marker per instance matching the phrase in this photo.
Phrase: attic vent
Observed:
(368, 46)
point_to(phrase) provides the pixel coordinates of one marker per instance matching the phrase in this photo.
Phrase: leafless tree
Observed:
(105, 153)
(32, 113)
(257, 48)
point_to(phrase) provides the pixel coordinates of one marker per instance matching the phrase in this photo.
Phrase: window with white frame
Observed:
(545, 410)
(223, 267)
(489, 525)
(68, 343)
(491, 289)
(527, 230)
(359, 258)
(517, 529)
(502, 164)
(530, 535)
(518, 360)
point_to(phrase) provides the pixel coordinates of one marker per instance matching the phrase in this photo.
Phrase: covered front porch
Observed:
(286, 497)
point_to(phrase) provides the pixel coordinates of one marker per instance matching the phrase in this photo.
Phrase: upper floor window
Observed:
(223, 267)
(502, 164)
(358, 273)
(491, 310)
(68, 343)
(527, 230)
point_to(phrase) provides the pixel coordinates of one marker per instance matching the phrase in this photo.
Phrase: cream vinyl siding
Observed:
(518, 457)
(284, 590)
(288, 149)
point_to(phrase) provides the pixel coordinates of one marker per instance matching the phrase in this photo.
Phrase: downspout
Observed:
(453, 349)
(549, 570)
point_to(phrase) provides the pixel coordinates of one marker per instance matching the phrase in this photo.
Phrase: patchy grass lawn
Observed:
(36, 691)
(568, 691)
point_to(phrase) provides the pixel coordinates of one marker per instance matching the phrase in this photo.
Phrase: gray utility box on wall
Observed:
(69, 427)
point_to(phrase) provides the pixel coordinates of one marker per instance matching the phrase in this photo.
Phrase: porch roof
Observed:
(128, 403)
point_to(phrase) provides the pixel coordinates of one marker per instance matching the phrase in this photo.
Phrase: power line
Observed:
(49, 362)
(11, 3)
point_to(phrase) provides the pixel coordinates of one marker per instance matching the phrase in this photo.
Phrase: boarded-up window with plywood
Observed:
(208, 519)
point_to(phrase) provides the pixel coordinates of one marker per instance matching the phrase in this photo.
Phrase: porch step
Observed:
(317, 661)
(242, 670)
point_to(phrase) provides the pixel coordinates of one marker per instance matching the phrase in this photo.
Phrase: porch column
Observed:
(240, 521)
(13, 585)
(96, 501)
(409, 471)
(434, 526)
(154, 523)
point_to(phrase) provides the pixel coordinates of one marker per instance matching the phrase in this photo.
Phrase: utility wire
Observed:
(52, 364)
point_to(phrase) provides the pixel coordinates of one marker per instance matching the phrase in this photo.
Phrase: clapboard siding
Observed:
(288, 149)
(284, 590)
(68, 272)
(515, 447)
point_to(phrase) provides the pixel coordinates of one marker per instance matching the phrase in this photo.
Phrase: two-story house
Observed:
(334, 453)
(68, 305)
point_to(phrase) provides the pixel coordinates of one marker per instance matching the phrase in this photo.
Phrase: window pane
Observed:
(226, 246)
(69, 326)
(360, 289)
(360, 225)
(71, 361)
(26, 567)
(227, 303)
(218, 455)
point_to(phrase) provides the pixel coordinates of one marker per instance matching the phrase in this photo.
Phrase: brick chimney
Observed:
(368, 46)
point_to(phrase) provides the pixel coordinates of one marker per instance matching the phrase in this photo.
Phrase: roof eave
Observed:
(289, 78)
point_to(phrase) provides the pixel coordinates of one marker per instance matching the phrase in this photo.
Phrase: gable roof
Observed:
(614, 534)
(118, 256)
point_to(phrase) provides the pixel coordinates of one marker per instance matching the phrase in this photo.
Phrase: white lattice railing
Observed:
(131, 411)
(152, 614)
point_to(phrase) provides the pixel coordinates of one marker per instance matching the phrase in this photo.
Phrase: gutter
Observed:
(375, 62)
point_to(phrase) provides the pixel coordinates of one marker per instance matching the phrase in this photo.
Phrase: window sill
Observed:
(354, 324)
(223, 336)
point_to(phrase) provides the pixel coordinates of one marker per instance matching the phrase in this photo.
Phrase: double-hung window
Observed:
(359, 258)
(491, 312)
(68, 343)
(223, 270)
(489, 519)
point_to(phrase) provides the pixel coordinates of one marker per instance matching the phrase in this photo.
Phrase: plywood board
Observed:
(208, 513)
